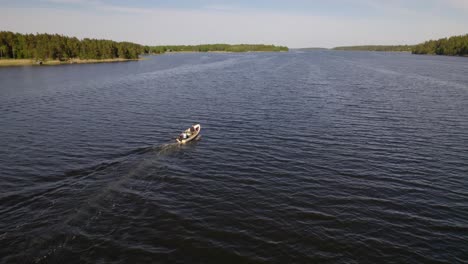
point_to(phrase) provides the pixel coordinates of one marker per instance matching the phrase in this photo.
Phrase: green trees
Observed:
(400, 48)
(453, 46)
(58, 47)
(3, 49)
(216, 47)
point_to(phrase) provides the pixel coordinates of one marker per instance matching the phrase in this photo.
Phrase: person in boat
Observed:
(183, 136)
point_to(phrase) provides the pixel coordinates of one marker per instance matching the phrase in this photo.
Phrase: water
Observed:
(343, 157)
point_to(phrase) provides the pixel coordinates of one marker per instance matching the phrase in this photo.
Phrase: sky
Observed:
(293, 23)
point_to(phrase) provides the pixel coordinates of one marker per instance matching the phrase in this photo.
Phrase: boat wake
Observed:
(80, 198)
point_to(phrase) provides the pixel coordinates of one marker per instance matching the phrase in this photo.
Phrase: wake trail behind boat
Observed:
(99, 189)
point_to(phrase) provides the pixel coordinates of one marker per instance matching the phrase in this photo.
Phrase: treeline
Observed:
(453, 46)
(216, 47)
(58, 47)
(396, 48)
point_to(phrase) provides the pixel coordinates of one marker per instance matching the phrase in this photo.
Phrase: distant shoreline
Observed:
(33, 62)
(384, 48)
(383, 51)
(18, 49)
(216, 51)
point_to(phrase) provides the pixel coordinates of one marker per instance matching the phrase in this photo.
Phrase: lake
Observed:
(305, 157)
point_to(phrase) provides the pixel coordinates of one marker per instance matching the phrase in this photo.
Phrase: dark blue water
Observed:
(342, 157)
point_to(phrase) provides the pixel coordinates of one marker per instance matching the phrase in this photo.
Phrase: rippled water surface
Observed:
(343, 157)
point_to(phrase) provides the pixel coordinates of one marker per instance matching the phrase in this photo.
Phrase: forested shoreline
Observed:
(217, 48)
(453, 46)
(395, 48)
(62, 48)
(59, 48)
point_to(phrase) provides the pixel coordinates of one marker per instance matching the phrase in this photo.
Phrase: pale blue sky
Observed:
(295, 23)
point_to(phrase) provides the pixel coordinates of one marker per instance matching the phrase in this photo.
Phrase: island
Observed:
(452, 46)
(388, 48)
(218, 48)
(18, 49)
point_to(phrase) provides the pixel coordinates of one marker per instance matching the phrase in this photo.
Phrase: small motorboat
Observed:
(189, 134)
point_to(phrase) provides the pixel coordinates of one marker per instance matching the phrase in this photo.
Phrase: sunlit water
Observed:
(344, 157)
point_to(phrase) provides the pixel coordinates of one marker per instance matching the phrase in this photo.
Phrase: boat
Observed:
(189, 134)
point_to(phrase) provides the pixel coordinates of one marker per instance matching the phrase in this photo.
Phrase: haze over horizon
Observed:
(295, 23)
